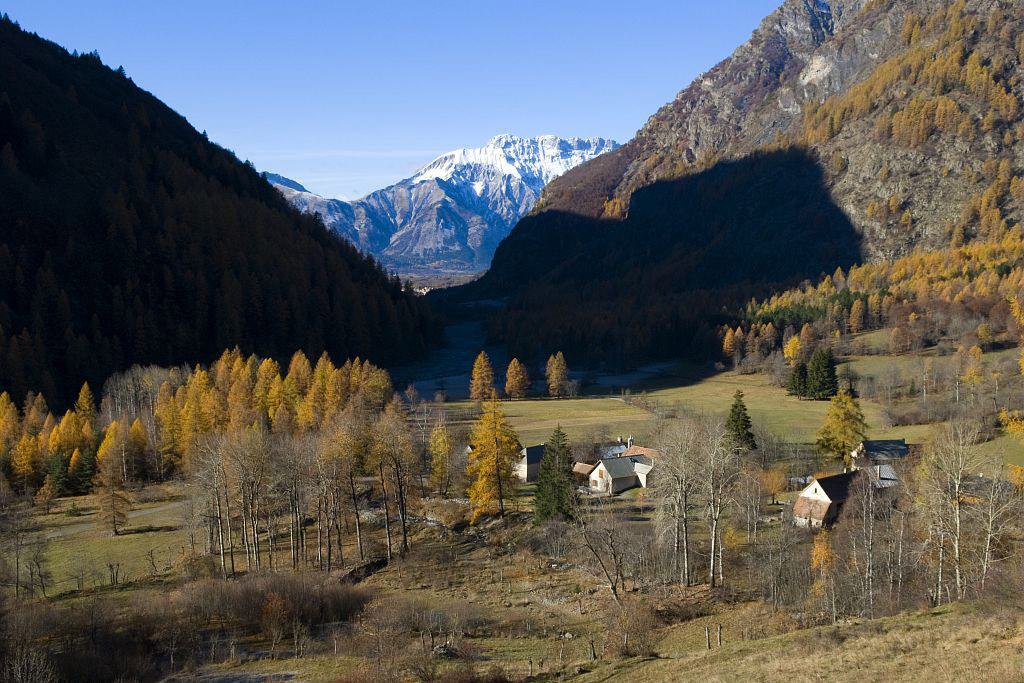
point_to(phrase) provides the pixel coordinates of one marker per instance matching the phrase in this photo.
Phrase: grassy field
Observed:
(909, 364)
(80, 551)
(769, 406)
(536, 419)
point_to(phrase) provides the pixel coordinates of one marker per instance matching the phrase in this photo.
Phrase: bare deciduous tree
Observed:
(676, 486)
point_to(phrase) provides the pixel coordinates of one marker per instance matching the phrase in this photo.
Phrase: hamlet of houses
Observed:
(619, 467)
(624, 465)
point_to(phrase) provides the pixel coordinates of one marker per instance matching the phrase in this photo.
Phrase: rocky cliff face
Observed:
(452, 213)
(806, 52)
(841, 131)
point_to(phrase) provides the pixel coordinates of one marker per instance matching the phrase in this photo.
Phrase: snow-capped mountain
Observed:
(452, 213)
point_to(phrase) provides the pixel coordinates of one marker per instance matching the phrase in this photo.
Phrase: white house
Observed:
(820, 501)
(528, 466)
(614, 475)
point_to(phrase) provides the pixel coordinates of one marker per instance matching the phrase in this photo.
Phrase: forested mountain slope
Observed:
(910, 110)
(128, 237)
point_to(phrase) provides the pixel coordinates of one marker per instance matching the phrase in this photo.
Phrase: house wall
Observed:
(601, 481)
(520, 471)
(623, 483)
(643, 473)
(814, 492)
(526, 472)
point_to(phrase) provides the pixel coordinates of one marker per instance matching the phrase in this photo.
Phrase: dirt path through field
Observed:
(89, 524)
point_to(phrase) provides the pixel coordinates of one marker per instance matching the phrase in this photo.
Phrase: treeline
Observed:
(129, 238)
(151, 420)
(965, 292)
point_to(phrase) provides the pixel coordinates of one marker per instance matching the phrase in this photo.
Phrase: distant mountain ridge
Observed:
(452, 213)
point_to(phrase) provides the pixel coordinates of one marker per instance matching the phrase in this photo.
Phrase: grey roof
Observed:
(625, 466)
(611, 451)
(883, 476)
(534, 454)
(618, 467)
(885, 449)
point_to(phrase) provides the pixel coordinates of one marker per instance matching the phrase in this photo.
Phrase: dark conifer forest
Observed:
(657, 283)
(128, 237)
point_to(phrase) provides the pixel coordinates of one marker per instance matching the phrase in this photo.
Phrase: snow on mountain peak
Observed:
(452, 213)
(536, 161)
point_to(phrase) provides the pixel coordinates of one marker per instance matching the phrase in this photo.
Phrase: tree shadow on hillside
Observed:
(657, 284)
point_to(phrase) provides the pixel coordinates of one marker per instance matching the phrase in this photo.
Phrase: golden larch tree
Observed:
(492, 458)
(729, 343)
(85, 406)
(791, 349)
(516, 379)
(440, 449)
(857, 316)
(108, 486)
(481, 384)
(557, 374)
(844, 426)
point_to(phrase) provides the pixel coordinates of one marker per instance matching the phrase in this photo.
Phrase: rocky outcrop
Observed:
(802, 54)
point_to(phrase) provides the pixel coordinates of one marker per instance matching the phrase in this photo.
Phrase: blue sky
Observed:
(348, 97)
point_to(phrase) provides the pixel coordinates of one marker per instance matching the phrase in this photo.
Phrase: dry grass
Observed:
(949, 644)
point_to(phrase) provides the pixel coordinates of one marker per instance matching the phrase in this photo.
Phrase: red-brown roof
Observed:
(583, 468)
(639, 450)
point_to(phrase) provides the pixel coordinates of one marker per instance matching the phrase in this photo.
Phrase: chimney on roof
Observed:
(629, 441)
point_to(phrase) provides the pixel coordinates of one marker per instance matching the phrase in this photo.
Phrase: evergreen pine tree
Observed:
(822, 382)
(797, 385)
(738, 424)
(556, 495)
(81, 469)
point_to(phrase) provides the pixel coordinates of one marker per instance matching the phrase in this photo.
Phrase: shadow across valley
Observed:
(657, 284)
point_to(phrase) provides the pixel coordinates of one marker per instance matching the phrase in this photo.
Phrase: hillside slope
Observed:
(909, 111)
(127, 237)
(452, 213)
(854, 82)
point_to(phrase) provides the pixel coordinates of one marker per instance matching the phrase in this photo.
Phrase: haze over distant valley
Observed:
(450, 215)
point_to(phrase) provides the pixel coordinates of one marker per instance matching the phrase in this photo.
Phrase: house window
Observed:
(600, 474)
